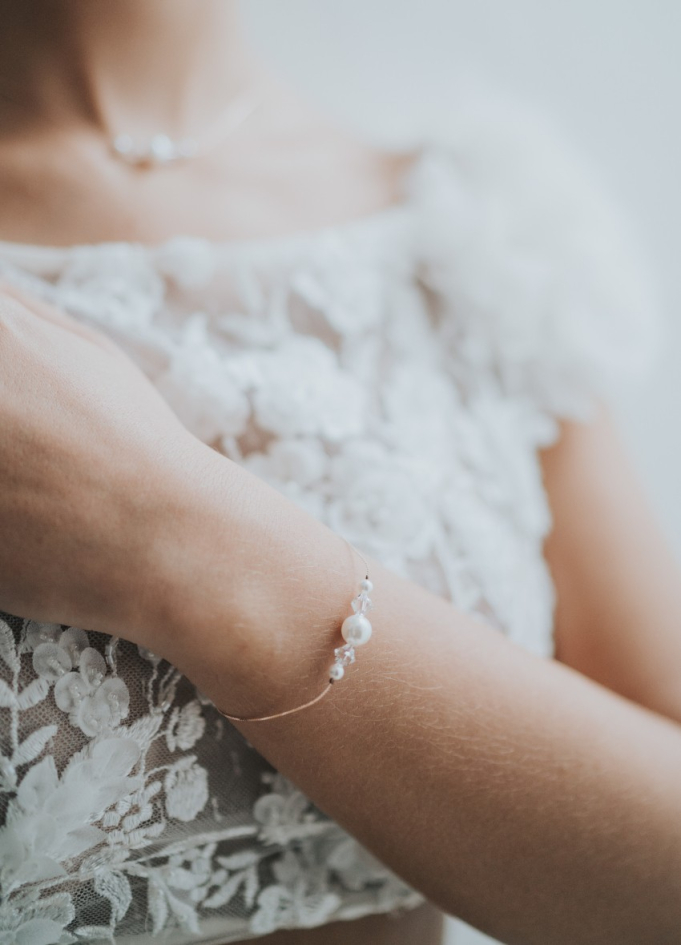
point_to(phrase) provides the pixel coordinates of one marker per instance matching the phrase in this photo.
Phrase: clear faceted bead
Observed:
(361, 604)
(345, 655)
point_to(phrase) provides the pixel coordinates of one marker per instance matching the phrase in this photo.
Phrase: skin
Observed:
(566, 824)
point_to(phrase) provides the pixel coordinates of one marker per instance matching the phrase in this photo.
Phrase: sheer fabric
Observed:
(395, 376)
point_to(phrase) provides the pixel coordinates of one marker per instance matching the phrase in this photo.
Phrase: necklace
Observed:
(161, 149)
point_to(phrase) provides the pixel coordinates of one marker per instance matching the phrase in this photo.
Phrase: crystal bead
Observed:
(345, 655)
(361, 604)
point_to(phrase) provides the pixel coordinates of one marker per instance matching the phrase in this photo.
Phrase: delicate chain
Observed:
(162, 150)
(356, 631)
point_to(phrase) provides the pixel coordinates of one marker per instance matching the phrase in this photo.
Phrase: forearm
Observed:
(511, 791)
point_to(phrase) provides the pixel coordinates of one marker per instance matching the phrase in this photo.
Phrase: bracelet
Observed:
(355, 630)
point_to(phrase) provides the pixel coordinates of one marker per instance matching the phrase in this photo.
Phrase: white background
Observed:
(608, 71)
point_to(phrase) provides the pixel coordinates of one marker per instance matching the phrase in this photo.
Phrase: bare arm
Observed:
(618, 618)
(513, 792)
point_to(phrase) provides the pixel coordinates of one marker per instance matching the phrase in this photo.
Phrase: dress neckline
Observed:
(374, 221)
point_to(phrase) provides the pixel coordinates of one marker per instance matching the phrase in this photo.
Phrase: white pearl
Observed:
(356, 629)
(336, 672)
(366, 585)
(161, 148)
(123, 144)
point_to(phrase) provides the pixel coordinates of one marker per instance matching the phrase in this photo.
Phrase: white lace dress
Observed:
(395, 376)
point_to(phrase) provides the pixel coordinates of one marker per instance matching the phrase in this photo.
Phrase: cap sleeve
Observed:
(537, 273)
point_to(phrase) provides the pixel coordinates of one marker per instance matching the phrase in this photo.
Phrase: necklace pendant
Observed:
(162, 149)
(159, 151)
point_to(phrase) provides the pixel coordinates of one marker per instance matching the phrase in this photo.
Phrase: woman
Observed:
(399, 367)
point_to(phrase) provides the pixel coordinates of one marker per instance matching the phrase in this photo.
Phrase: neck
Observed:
(120, 64)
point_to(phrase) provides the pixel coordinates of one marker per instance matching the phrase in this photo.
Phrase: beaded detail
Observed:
(356, 630)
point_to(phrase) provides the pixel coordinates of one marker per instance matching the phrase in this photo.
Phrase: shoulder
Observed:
(520, 237)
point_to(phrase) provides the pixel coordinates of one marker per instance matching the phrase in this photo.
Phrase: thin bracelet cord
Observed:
(306, 705)
(278, 715)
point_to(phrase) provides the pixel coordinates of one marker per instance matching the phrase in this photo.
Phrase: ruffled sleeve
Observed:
(539, 280)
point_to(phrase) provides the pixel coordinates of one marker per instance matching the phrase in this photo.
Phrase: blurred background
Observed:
(608, 72)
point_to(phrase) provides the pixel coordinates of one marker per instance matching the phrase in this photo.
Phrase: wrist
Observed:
(247, 592)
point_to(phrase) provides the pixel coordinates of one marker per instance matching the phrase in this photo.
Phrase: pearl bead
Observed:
(161, 149)
(336, 672)
(367, 585)
(123, 144)
(356, 629)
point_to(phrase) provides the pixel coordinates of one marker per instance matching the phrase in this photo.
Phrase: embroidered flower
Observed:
(135, 821)
(186, 787)
(95, 704)
(113, 284)
(300, 898)
(302, 461)
(238, 873)
(74, 641)
(200, 386)
(303, 392)
(285, 813)
(51, 661)
(189, 261)
(53, 819)
(28, 920)
(200, 876)
(418, 407)
(380, 498)
(192, 871)
(36, 633)
(343, 282)
(186, 726)
(55, 651)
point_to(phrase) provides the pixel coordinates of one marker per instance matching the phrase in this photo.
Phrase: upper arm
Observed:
(618, 614)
